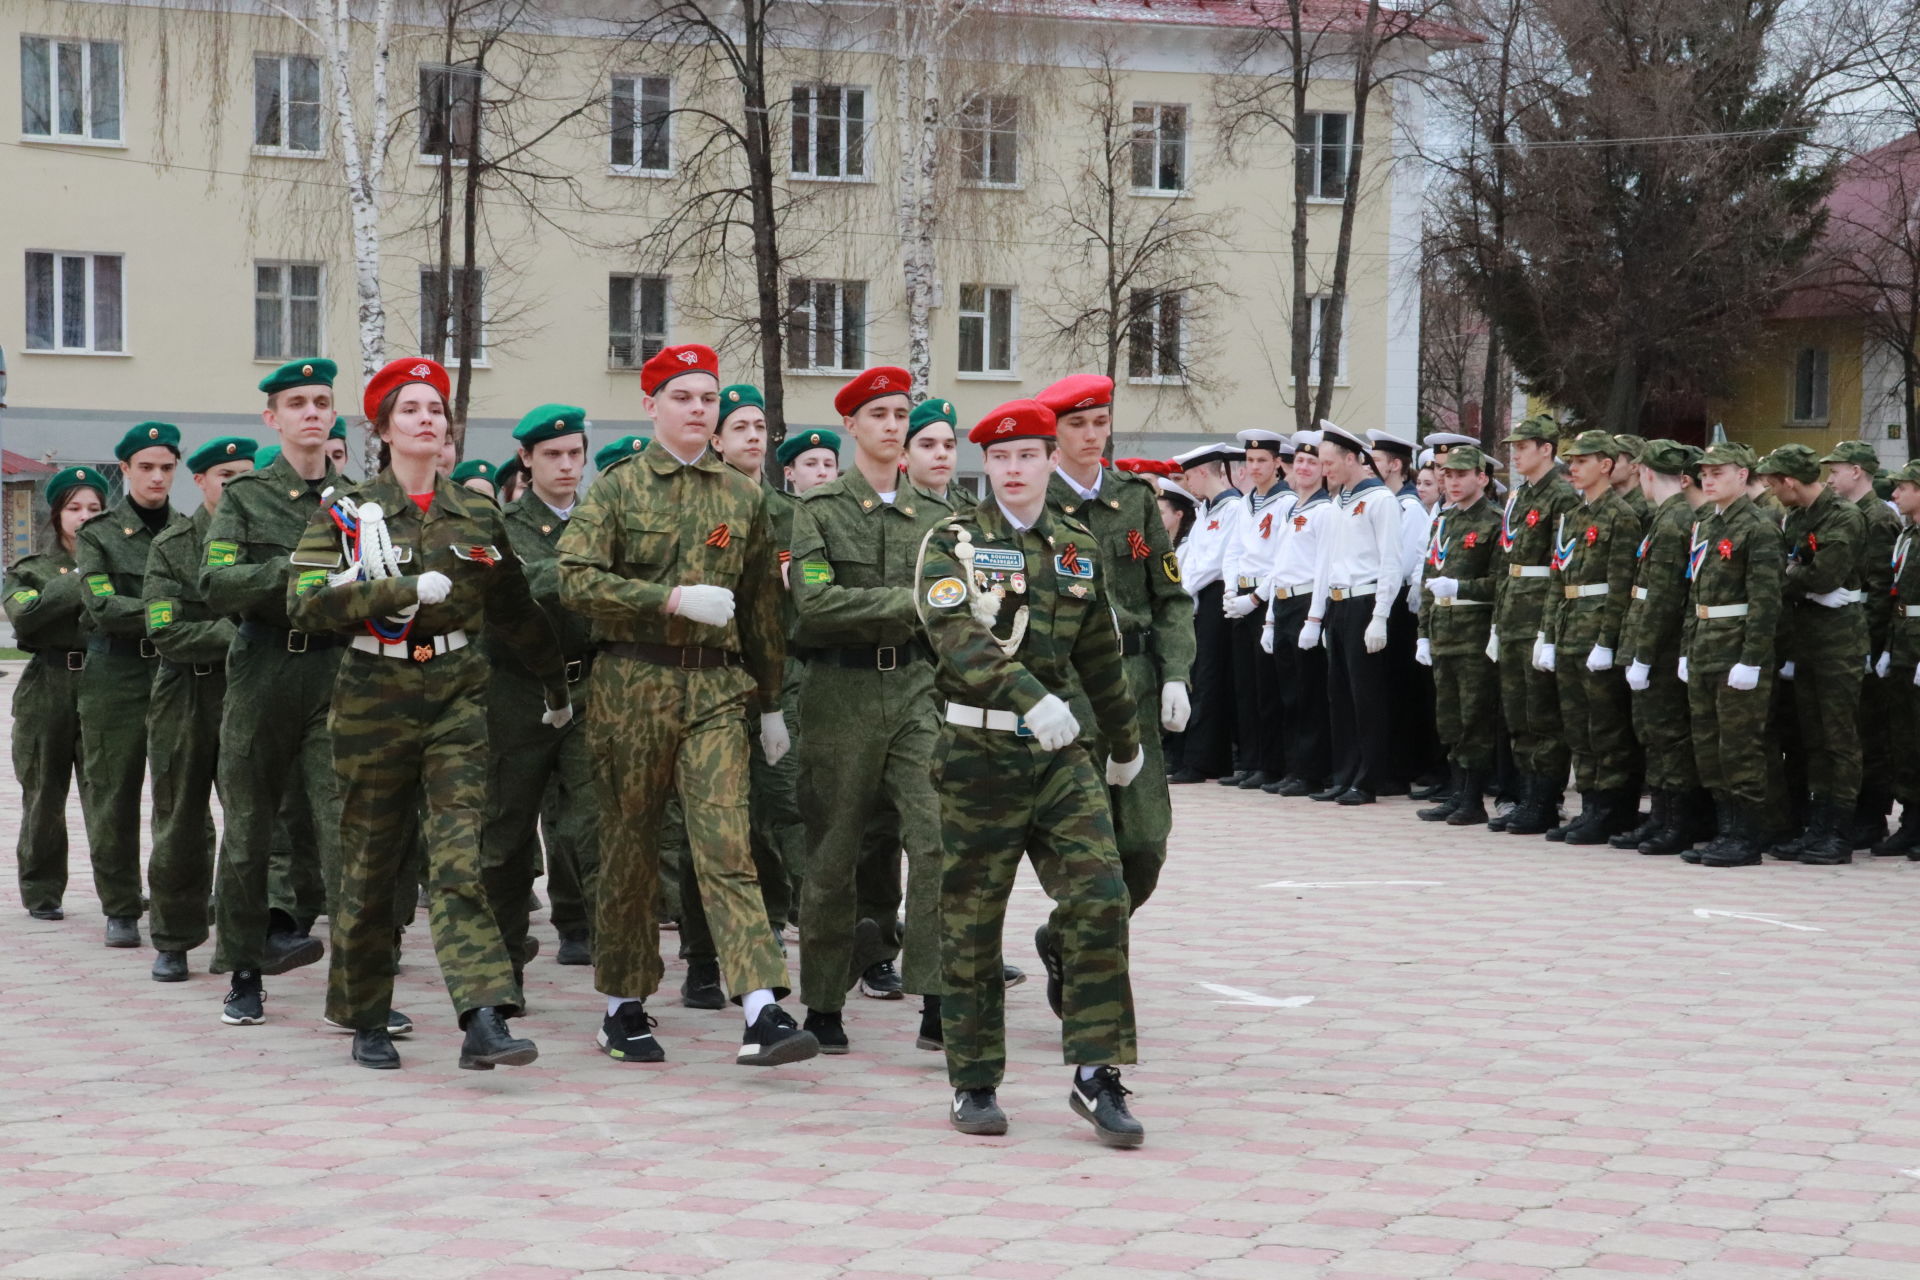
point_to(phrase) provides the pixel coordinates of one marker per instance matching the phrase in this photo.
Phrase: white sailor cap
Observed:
(1391, 442)
(1262, 438)
(1448, 439)
(1306, 442)
(1426, 457)
(1333, 433)
(1175, 492)
(1217, 452)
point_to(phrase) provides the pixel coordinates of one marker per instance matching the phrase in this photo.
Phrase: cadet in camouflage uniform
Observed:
(1587, 597)
(1626, 475)
(408, 565)
(183, 716)
(1455, 622)
(527, 757)
(1013, 601)
(1529, 697)
(44, 603)
(671, 558)
(1650, 645)
(1852, 467)
(1899, 665)
(1727, 652)
(111, 558)
(866, 700)
(1825, 645)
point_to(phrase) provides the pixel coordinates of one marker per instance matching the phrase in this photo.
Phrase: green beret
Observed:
(1795, 461)
(1729, 453)
(1463, 457)
(550, 422)
(1629, 444)
(928, 412)
(619, 451)
(473, 469)
(308, 372)
(225, 449)
(66, 481)
(1669, 457)
(148, 435)
(1540, 426)
(1859, 453)
(265, 458)
(740, 395)
(802, 442)
(1588, 443)
(338, 430)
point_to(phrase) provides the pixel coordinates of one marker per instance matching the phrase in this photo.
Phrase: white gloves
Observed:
(1543, 657)
(1879, 668)
(1237, 606)
(1786, 672)
(1639, 676)
(773, 737)
(1493, 646)
(1600, 658)
(1309, 634)
(559, 717)
(433, 587)
(1423, 651)
(1174, 706)
(1052, 723)
(1831, 599)
(1444, 588)
(1681, 671)
(710, 605)
(1266, 638)
(1376, 635)
(1916, 675)
(1742, 676)
(1121, 772)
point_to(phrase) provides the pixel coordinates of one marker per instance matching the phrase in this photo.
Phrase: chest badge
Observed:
(1137, 545)
(720, 537)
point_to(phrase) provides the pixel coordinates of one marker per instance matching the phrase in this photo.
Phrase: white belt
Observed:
(1353, 593)
(1639, 593)
(1590, 589)
(981, 718)
(408, 650)
(1528, 570)
(1911, 611)
(1845, 598)
(1455, 602)
(1705, 611)
(1288, 593)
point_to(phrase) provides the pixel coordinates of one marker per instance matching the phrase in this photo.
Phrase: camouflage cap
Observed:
(1729, 453)
(1669, 457)
(1463, 457)
(1794, 461)
(1629, 444)
(1590, 442)
(1909, 474)
(1859, 453)
(1540, 426)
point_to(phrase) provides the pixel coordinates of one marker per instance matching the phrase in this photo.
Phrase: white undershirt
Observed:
(886, 497)
(685, 462)
(1085, 493)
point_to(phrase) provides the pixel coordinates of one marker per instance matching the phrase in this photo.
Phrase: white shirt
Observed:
(1363, 546)
(1087, 494)
(1213, 528)
(1249, 552)
(1296, 561)
(558, 513)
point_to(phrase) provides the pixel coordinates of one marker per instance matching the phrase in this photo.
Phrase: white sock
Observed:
(754, 1002)
(1086, 1073)
(614, 1003)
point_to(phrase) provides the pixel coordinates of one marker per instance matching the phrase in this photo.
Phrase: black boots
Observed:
(1447, 796)
(489, 1044)
(1608, 814)
(1738, 844)
(1827, 842)
(1656, 822)
(1469, 796)
(1539, 809)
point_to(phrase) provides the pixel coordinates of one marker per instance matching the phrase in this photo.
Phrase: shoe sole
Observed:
(1018, 978)
(232, 1021)
(880, 993)
(1108, 1138)
(48, 916)
(704, 1002)
(835, 1050)
(625, 1059)
(979, 1128)
(930, 1045)
(488, 1061)
(570, 960)
(123, 946)
(378, 1066)
(793, 1049)
(404, 1029)
(169, 977)
(299, 958)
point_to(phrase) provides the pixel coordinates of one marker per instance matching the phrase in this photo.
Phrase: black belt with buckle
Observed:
(194, 668)
(1134, 643)
(71, 659)
(293, 641)
(123, 647)
(690, 657)
(579, 668)
(870, 657)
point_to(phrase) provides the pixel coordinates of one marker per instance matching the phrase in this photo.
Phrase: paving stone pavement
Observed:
(1370, 1049)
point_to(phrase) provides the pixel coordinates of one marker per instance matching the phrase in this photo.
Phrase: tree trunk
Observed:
(1333, 318)
(917, 112)
(471, 316)
(363, 168)
(766, 250)
(1300, 344)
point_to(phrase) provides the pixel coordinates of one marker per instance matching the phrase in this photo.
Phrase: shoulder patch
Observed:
(1170, 565)
(100, 584)
(25, 595)
(222, 554)
(159, 614)
(308, 580)
(946, 593)
(1001, 558)
(816, 573)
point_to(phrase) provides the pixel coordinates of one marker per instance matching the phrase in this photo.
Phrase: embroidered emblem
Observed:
(419, 371)
(1003, 426)
(816, 573)
(159, 614)
(688, 357)
(946, 593)
(25, 596)
(880, 383)
(99, 584)
(308, 580)
(1170, 565)
(998, 558)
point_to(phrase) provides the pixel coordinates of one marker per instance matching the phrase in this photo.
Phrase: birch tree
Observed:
(362, 135)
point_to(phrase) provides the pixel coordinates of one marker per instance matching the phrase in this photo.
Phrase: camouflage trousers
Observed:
(657, 731)
(1143, 812)
(770, 838)
(1730, 735)
(183, 747)
(1663, 724)
(1828, 668)
(46, 763)
(1596, 721)
(1466, 708)
(402, 730)
(1000, 796)
(1530, 701)
(113, 705)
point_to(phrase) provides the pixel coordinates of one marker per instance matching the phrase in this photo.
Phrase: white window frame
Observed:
(639, 336)
(424, 156)
(984, 314)
(85, 138)
(286, 300)
(812, 172)
(1317, 309)
(1312, 152)
(1819, 390)
(808, 307)
(1156, 340)
(974, 123)
(1153, 134)
(483, 359)
(638, 169)
(284, 147)
(91, 347)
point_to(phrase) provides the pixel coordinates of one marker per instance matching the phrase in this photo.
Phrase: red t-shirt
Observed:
(422, 501)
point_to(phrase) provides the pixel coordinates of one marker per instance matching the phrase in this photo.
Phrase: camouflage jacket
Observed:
(179, 622)
(1465, 546)
(854, 559)
(1592, 580)
(1825, 541)
(1658, 610)
(262, 517)
(536, 533)
(1143, 575)
(1735, 560)
(1527, 521)
(44, 604)
(655, 523)
(111, 555)
(1876, 568)
(1903, 593)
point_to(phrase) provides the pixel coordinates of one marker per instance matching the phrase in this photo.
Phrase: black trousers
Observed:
(1256, 706)
(1359, 696)
(1300, 681)
(1416, 742)
(1209, 744)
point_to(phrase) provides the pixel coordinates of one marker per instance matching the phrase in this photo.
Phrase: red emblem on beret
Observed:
(1076, 393)
(1726, 549)
(670, 362)
(1533, 518)
(886, 380)
(1470, 540)
(400, 373)
(1015, 420)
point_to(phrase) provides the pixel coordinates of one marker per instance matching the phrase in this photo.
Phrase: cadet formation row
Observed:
(1738, 636)
(432, 680)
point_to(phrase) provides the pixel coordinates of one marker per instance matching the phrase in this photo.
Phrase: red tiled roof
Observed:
(19, 464)
(1870, 196)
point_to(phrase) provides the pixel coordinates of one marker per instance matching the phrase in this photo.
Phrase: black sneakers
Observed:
(932, 1035)
(288, 951)
(702, 989)
(1102, 1102)
(489, 1044)
(375, 1049)
(169, 966)
(1051, 962)
(627, 1035)
(881, 981)
(246, 1003)
(977, 1111)
(574, 951)
(773, 1039)
(827, 1028)
(47, 913)
(1012, 976)
(123, 931)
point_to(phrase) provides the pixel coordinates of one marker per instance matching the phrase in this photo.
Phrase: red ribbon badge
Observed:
(1726, 549)
(1212, 525)
(1813, 543)
(1533, 518)
(1137, 545)
(786, 556)
(1593, 534)
(719, 537)
(479, 556)
(1299, 523)
(1070, 558)
(1360, 507)
(1266, 525)
(1469, 541)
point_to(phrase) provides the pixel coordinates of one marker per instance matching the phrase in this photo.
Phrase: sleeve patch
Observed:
(1170, 565)
(159, 614)
(100, 584)
(25, 596)
(222, 554)
(308, 580)
(946, 593)
(816, 573)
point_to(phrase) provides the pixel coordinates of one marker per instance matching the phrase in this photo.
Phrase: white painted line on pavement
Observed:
(1758, 917)
(1342, 884)
(1254, 998)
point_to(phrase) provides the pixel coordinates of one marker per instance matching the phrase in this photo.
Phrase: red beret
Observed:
(397, 375)
(1139, 466)
(671, 362)
(1014, 420)
(1078, 392)
(883, 380)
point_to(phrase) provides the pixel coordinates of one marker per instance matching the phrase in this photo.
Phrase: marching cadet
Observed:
(807, 461)
(1244, 564)
(336, 448)
(615, 452)
(1588, 592)
(1013, 600)
(1626, 475)
(866, 699)
(1155, 616)
(1650, 646)
(476, 474)
(1418, 760)
(527, 758)
(273, 725)
(1727, 652)
(45, 605)
(933, 447)
(1824, 642)
(1899, 667)
(1300, 672)
(1852, 467)
(1455, 623)
(671, 557)
(111, 558)
(183, 715)
(1207, 749)
(1529, 698)
(1359, 579)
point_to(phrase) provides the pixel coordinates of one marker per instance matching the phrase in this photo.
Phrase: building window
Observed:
(1156, 336)
(449, 112)
(636, 319)
(986, 329)
(829, 131)
(1316, 328)
(76, 302)
(989, 126)
(286, 310)
(1159, 147)
(70, 89)
(1810, 385)
(1326, 153)
(826, 325)
(642, 107)
(286, 104)
(462, 294)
